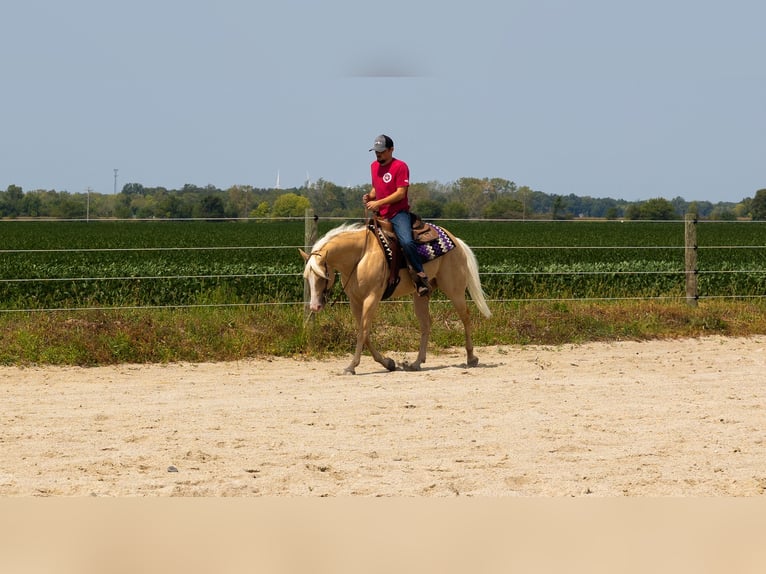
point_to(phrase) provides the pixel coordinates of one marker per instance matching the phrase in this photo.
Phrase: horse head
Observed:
(319, 277)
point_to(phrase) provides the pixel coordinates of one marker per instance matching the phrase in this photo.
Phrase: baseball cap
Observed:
(382, 143)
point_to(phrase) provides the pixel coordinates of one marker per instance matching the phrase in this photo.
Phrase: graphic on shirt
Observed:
(387, 178)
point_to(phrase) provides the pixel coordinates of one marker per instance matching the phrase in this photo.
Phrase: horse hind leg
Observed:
(471, 359)
(461, 306)
(424, 319)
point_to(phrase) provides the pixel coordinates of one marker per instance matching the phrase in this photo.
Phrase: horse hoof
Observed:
(473, 361)
(349, 371)
(390, 364)
(411, 366)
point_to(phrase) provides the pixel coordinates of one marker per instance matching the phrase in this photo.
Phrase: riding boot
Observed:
(420, 280)
(421, 284)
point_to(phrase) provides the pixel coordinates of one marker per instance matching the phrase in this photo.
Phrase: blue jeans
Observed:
(403, 229)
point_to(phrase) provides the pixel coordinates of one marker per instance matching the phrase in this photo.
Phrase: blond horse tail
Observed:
(474, 283)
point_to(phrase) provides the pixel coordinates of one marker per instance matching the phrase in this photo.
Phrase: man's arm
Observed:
(398, 195)
(367, 197)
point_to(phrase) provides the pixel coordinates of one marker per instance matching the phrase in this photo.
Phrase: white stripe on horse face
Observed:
(316, 267)
(315, 275)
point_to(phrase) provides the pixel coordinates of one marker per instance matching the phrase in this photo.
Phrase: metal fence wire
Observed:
(516, 271)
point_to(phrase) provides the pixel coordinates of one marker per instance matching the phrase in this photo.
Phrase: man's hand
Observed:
(369, 202)
(372, 205)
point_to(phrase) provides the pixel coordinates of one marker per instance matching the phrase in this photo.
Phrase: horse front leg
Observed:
(361, 336)
(387, 362)
(364, 311)
(423, 314)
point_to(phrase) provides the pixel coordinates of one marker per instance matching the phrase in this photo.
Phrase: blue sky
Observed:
(631, 100)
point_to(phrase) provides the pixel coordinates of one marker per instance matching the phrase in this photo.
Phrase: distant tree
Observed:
(504, 207)
(191, 188)
(427, 208)
(290, 205)
(329, 199)
(722, 214)
(102, 205)
(133, 189)
(633, 211)
(466, 198)
(540, 203)
(212, 207)
(579, 206)
(262, 210)
(32, 205)
(429, 190)
(557, 207)
(681, 206)
(500, 185)
(473, 193)
(742, 209)
(169, 206)
(122, 207)
(237, 200)
(419, 192)
(350, 201)
(144, 206)
(704, 208)
(524, 195)
(658, 209)
(10, 201)
(69, 207)
(758, 205)
(455, 210)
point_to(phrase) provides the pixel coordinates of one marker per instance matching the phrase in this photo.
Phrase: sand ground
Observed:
(635, 419)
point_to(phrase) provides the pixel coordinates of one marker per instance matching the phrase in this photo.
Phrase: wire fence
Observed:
(733, 268)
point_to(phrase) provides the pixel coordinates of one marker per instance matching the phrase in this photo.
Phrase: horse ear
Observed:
(304, 254)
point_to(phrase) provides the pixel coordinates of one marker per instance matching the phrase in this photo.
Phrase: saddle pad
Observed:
(436, 248)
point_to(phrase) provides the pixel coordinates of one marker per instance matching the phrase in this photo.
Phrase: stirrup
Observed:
(421, 283)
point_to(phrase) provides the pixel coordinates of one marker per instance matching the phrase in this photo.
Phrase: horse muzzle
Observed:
(318, 302)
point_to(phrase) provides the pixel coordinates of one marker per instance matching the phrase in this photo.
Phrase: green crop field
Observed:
(64, 265)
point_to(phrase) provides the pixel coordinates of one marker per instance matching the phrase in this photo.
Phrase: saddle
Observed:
(422, 232)
(432, 243)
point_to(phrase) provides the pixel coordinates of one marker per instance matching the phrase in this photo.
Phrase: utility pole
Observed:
(87, 204)
(115, 181)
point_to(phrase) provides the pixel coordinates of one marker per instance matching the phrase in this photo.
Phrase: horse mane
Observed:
(340, 230)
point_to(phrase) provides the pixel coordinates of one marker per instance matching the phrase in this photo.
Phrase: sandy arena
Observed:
(635, 419)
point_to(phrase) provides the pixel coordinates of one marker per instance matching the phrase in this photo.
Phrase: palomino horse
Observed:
(354, 252)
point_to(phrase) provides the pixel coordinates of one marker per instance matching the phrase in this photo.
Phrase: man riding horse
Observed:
(388, 197)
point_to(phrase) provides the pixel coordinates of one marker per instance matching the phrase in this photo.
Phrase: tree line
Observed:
(466, 198)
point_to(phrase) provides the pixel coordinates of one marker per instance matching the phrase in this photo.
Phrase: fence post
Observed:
(690, 243)
(309, 238)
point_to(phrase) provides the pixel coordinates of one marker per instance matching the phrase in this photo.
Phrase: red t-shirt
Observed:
(386, 179)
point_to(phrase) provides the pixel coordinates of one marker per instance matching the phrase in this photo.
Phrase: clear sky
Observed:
(607, 98)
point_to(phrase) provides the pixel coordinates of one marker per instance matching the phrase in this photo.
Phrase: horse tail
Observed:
(474, 283)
